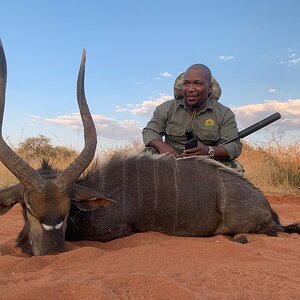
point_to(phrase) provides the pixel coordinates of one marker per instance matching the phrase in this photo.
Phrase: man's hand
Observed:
(201, 149)
(164, 148)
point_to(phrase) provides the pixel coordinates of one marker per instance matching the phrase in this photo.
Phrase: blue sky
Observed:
(135, 50)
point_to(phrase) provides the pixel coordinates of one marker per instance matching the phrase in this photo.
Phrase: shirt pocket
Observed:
(175, 134)
(208, 136)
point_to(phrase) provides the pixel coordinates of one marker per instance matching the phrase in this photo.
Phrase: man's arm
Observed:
(155, 130)
(163, 147)
(227, 131)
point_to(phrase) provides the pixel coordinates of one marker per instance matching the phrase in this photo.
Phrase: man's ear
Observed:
(89, 199)
(10, 196)
(210, 88)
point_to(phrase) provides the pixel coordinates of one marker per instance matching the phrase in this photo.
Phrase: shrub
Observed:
(273, 166)
(34, 148)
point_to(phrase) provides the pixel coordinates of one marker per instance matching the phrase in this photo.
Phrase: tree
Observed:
(40, 147)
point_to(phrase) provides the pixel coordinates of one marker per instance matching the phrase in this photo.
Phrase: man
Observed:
(194, 115)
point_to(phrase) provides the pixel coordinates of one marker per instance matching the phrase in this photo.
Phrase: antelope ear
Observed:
(9, 197)
(89, 199)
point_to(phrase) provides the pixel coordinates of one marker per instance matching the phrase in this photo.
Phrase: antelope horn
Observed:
(69, 175)
(21, 169)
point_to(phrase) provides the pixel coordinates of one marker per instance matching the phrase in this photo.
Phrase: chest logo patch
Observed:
(209, 123)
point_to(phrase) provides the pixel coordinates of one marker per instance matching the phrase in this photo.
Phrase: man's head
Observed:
(197, 85)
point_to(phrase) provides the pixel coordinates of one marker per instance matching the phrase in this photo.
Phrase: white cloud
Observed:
(165, 74)
(289, 110)
(124, 130)
(121, 109)
(294, 61)
(272, 90)
(71, 121)
(226, 58)
(293, 58)
(146, 108)
(35, 118)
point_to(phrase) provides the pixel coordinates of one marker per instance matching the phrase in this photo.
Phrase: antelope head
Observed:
(46, 202)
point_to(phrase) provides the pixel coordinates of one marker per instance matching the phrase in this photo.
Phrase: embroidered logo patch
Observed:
(209, 123)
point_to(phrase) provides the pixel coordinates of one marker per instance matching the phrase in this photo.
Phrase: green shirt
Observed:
(213, 125)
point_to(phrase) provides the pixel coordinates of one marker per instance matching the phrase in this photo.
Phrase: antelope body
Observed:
(188, 197)
(184, 197)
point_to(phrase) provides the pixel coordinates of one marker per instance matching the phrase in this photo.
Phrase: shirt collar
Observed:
(208, 105)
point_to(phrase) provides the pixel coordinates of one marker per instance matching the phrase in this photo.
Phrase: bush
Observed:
(34, 148)
(273, 166)
(285, 160)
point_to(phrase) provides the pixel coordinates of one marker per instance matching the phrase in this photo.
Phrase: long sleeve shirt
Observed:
(212, 125)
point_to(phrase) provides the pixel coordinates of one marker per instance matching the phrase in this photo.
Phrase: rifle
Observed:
(257, 126)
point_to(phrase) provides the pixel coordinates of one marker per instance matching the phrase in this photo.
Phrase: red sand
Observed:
(156, 266)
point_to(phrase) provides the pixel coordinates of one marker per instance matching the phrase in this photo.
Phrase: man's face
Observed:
(196, 87)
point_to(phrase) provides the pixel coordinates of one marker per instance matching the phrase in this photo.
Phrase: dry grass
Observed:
(8, 179)
(273, 167)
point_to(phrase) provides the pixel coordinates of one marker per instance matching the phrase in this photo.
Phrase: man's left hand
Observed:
(201, 149)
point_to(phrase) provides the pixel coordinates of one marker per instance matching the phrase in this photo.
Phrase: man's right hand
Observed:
(164, 148)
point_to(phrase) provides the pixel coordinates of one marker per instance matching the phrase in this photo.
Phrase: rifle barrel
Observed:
(257, 126)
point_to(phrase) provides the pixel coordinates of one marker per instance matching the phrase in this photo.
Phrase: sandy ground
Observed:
(156, 266)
